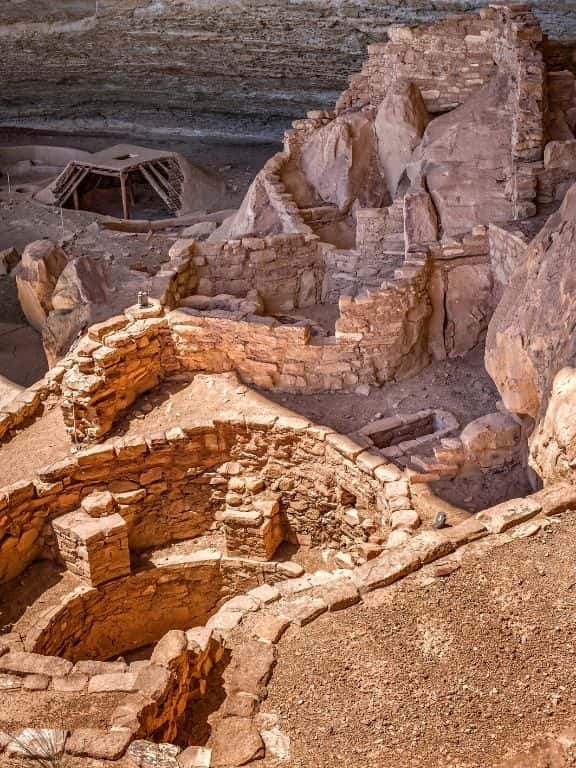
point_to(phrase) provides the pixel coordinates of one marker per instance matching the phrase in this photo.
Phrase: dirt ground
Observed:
(449, 674)
(460, 385)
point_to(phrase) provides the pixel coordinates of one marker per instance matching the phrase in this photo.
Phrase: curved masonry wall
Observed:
(180, 592)
(160, 691)
(166, 486)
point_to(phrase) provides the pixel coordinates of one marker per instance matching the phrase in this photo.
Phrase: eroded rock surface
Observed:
(36, 276)
(269, 59)
(465, 157)
(530, 335)
(340, 162)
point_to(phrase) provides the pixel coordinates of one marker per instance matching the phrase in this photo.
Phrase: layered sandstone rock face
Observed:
(530, 336)
(531, 347)
(191, 62)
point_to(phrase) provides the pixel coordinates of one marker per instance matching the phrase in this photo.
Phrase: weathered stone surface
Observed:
(508, 514)
(469, 304)
(102, 745)
(420, 218)
(560, 155)
(146, 754)
(465, 158)
(400, 124)
(195, 757)
(9, 258)
(36, 277)
(339, 594)
(339, 162)
(114, 682)
(528, 340)
(304, 610)
(270, 628)
(236, 742)
(34, 664)
(491, 432)
(300, 58)
(386, 569)
(251, 668)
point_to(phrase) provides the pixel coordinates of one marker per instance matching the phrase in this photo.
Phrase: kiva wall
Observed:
(167, 486)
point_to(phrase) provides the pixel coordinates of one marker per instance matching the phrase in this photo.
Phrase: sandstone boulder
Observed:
(465, 157)
(256, 216)
(200, 231)
(36, 277)
(492, 432)
(340, 162)
(530, 336)
(553, 445)
(83, 281)
(8, 390)
(468, 304)
(560, 155)
(400, 124)
(236, 742)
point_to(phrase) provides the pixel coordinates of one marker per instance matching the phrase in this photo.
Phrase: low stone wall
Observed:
(171, 486)
(29, 403)
(286, 270)
(159, 692)
(177, 592)
(430, 307)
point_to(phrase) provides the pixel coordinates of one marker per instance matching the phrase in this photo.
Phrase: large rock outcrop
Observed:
(531, 336)
(531, 345)
(196, 63)
(340, 162)
(466, 160)
(400, 124)
(36, 277)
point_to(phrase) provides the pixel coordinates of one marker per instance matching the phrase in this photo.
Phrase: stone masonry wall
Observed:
(448, 61)
(155, 479)
(286, 270)
(132, 612)
(507, 251)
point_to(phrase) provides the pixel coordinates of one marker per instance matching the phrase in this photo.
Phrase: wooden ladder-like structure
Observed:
(164, 176)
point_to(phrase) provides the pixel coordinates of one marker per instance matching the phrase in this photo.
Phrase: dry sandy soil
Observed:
(448, 674)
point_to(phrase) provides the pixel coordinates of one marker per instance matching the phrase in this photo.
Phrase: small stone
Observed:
(290, 569)
(304, 610)
(195, 757)
(36, 682)
(101, 745)
(445, 569)
(73, 683)
(265, 594)
(339, 595)
(146, 754)
(270, 629)
(236, 741)
(125, 682)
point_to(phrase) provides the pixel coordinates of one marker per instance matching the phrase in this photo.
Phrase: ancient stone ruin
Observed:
(258, 416)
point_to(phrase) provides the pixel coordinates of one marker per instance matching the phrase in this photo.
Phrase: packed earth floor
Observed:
(437, 672)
